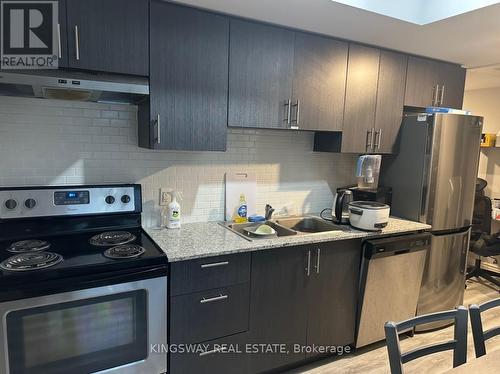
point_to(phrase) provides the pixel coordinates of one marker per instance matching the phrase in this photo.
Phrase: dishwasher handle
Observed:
(396, 246)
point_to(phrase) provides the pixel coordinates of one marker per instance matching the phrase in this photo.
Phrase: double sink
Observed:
(285, 227)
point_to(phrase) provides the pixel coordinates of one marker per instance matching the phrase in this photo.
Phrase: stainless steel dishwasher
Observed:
(391, 274)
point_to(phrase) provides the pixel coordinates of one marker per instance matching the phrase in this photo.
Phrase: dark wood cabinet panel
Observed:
(361, 98)
(206, 273)
(320, 68)
(219, 356)
(188, 80)
(390, 100)
(426, 79)
(260, 74)
(109, 35)
(332, 293)
(209, 314)
(278, 310)
(421, 81)
(452, 80)
(62, 28)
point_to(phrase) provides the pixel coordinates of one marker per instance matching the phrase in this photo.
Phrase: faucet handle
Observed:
(269, 211)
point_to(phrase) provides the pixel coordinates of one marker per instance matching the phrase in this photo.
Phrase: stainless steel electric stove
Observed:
(82, 287)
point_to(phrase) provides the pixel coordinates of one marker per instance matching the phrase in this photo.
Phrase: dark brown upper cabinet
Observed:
(373, 104)
(390, 101)
(108, 35)
(434, 83)
(284, 79)
(187, 105)
(361, 99)
(260, 75)
(320, 69)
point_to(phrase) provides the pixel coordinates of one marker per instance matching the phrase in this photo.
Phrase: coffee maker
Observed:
(368, 171)
(367, 175)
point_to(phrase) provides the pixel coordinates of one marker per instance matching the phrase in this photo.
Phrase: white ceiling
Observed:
(419, 12)
(471, 39)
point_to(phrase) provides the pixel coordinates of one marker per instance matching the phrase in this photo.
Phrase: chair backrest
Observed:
(458, 344)
(481, 216)
(479, 335)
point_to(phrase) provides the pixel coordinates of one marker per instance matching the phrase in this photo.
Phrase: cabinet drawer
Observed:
(208, 273)
(222, 356)
(209, 314)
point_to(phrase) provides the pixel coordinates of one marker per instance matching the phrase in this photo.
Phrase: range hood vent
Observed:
(75, 85)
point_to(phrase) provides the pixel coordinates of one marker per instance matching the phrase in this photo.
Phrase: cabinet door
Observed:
(260, 75)
(278, 304)
(188, 78)
(390, 98)
(421, 81)
(333, 293)
(361, 99)
(320, 68)
(452, 80)
(108, 35)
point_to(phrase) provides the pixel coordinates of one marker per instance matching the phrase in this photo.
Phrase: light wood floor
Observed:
(373, 358)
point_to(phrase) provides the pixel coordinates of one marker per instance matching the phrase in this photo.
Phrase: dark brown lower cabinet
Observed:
(219, 356)
(304, 297)
(278, 306)
(300, 304)
(332, 295)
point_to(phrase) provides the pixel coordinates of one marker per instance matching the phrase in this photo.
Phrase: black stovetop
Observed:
(84, 265)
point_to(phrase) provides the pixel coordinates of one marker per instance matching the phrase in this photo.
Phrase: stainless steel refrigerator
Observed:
(433, 180)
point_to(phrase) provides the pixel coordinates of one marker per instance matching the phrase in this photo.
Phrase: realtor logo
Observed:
(29, 34)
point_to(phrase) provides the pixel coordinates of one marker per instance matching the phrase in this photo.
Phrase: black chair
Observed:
(458, 344)
(482, 243)
(479, 335)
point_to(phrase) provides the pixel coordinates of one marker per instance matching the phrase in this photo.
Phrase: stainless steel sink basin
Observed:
(307, 225)
(285, 227)
(239, 228)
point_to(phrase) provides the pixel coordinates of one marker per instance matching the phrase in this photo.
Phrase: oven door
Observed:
(110, 329)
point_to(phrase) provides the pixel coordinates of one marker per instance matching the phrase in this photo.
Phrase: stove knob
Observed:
(11, 204)
(109, 199)
(125, 199)
(30, 203)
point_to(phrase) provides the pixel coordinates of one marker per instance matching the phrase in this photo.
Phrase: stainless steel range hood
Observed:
(74, 85)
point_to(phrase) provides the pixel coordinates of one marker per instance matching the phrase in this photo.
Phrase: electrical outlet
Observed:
(164, 196)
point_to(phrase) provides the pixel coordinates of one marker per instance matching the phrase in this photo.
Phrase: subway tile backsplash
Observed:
(51, 142)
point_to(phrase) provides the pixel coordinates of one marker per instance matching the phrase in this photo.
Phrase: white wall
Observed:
(486, 103)
(46, 142)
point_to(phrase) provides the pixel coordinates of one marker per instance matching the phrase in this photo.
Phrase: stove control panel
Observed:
(59, 201)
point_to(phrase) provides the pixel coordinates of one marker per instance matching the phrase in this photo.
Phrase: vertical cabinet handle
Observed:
(441, 98)
(318, 253)
(59, 53)
(288, 111)
(158, 129)
(308, 267)
(369, 139)
(77, 44)
(297, 115)
(378, 139)
(435, 94)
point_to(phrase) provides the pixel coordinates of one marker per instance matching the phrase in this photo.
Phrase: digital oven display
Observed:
(71, 197)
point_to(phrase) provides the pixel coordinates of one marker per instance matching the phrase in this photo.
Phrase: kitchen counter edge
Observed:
(208, 239)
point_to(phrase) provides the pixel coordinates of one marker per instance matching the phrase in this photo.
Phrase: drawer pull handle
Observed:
(206, 353)
(212, 299)
(214, 264)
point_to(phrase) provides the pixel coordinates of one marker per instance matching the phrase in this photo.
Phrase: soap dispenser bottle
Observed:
(174, 211)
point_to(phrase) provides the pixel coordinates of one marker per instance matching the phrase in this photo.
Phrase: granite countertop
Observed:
(197, 240)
